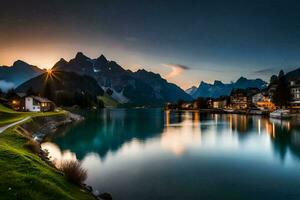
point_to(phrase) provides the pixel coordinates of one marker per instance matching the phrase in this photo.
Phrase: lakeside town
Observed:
(280, 99)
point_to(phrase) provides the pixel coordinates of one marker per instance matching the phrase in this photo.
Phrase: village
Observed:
(281, 99)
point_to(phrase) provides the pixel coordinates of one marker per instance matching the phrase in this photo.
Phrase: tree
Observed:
(180, 103)
(282, 94)
(200, 103)
(48, 91)
(109, 92)
(30, 92)
(273, 79)
(100, 104)
(11, 94)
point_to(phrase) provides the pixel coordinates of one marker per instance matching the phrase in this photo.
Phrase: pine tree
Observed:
(47, 91)
(282, 94)
(30, 92)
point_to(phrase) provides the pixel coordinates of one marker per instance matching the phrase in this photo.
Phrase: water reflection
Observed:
(182, 150)
(109, 130)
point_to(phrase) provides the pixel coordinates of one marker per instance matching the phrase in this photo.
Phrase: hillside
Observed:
(164, 91)
(295, 74)
(43, 181)
(62, 81)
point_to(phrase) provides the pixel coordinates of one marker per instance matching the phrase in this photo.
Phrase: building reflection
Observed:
(175, 132)
(181, 134)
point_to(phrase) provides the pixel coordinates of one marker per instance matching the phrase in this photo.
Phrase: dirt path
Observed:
(3, 128)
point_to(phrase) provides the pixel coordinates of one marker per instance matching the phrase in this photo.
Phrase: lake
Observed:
(149, 154)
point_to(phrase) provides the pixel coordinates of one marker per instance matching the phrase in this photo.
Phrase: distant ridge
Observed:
(191, 90)
(219, 88)
(20, 71)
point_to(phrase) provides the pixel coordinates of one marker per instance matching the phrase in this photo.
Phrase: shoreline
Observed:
(48, 126)
(37, 128)
(219, 111)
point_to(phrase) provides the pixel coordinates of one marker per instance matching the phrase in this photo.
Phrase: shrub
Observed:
(33, 146)
(73, 171)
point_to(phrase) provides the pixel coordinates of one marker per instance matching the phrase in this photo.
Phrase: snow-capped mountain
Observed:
(139, 88)
(191, 90)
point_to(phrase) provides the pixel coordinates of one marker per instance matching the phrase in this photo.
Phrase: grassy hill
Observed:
(108, 101)
(24, 175)
(8, 116)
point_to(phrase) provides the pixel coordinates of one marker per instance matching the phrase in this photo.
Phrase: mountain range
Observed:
(219, 88)
(125, 86)
(140, 88)
(19, 72)
(133, 88)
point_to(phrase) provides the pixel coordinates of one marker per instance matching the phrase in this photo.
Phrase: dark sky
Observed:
(184, 41)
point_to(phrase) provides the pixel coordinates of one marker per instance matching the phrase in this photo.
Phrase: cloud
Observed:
(4, 85)
(265, 71)
(177, 69)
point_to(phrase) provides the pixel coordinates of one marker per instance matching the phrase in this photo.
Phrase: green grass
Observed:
(8, 116)
(108, 101)
(23, 175)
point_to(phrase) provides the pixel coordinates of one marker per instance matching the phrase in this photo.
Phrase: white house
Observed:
(37, 104)
(295, 92)
(219, 103)
(262, 101)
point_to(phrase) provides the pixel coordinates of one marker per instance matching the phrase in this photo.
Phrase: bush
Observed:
(73, 171)
(33, 146)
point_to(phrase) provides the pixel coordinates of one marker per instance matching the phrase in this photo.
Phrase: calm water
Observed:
(151, 154)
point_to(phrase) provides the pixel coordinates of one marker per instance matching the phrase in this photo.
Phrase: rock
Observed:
(105, 196)
(89, 188)
(95, 193)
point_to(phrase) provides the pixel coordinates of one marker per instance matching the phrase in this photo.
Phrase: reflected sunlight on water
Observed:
(56, 155)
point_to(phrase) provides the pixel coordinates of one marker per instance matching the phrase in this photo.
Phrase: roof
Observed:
(3, 99)
(41, 99)
(20, 94)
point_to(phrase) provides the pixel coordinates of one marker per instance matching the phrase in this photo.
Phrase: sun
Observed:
(50, 74)
(49, 71)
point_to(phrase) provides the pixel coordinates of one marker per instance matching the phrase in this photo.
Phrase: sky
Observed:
(185, 41)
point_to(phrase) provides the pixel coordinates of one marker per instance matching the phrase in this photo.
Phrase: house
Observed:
(38, 104)
(219, 103)
(295, 94)
(186, 105)
(15, 101)
(263, 101)
(238, 99)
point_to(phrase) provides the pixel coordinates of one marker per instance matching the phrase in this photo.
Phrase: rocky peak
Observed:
(102, 58)
(62, 62)
(218, 82)
(20, 63)
(241, 79)
(81, 56)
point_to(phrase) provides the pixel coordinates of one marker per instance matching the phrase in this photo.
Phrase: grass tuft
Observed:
(74, 171)
(33, 146)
